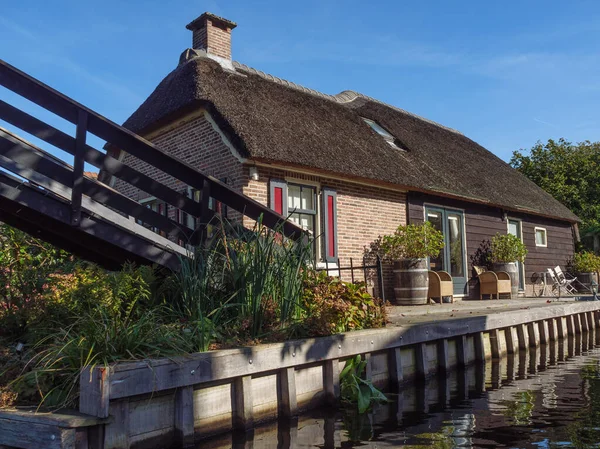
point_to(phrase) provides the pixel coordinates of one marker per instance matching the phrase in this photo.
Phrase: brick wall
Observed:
(214, 38)
(201, 146)
(363, 213)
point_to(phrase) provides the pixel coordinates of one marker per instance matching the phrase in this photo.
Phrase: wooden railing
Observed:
(23, 159)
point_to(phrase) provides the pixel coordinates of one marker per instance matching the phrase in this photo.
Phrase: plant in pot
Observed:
(507, 250)
(585, 265)
(408, 248)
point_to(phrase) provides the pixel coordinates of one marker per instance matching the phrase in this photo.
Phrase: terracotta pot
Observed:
(411, 282)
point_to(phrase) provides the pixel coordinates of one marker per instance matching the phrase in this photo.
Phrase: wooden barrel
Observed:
(511, 269)
(586, 279)
(411, 282)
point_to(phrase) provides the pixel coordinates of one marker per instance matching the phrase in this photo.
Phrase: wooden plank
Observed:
(534, 335)
(479, 347)
(521, 334)
(543, 331)
(63, 419)
(368, 366)
(116, 434)
(184, 417)
(421, 362)
(31, 435)
(63, 106)
(94, 391)
(243, 403)
(38, 166)
(77, 185)
(144, 377)
(461, 350)
(288, 405)
(442, 356)
(495, 343)
(395, 367)
(89, 205)
(331, 381)
(510, 342)
(98, 159)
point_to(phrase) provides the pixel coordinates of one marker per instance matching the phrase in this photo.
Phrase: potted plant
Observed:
(585, 265)
(408, 247)
(507, 250)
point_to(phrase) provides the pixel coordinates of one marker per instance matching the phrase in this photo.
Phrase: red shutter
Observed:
(329, 210)
(278, 200)
(330, 227)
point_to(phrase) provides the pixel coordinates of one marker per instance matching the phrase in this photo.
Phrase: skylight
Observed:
(389, 138)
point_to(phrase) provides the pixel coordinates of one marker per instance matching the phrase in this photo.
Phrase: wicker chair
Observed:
(494, 282)
(440, 285)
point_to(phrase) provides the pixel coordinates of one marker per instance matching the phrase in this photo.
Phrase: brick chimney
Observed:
(213, 34)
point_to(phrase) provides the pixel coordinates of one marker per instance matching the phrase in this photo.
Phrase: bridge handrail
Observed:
(87, 120)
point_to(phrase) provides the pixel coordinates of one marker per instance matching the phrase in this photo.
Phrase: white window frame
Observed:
(535, 231)
(388, 136)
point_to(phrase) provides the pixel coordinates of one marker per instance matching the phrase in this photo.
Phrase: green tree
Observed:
(569, 172)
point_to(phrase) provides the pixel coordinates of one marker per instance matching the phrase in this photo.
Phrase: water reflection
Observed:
(542, 397)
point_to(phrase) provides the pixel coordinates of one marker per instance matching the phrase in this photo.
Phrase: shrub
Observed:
(413, 242)
(584, 262)
(333, 306)
(508, 248)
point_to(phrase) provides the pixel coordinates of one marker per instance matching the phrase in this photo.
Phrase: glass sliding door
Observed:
(514, 228)
(452, 257)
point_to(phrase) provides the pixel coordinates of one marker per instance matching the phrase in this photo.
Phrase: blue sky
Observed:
(506, 74)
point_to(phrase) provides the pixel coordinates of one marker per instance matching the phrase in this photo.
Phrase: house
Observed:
(347, 167)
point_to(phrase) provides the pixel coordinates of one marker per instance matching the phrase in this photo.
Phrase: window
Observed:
(301, 206)
(388, 137)
(299, 203)
(541, 238)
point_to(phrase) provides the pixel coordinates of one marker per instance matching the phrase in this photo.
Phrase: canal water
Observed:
(546, 397)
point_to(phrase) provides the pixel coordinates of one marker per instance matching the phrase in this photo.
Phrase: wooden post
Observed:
(495, 343)
(461, 350)
(94, 391)
(584, 322)
(510, 342)
(543, 331)
(184, 416)
(590, 319)
(421, 363)
(534, 335)
(521, 331)
(78, 166)
(116, 434)
(577, 324)
(442, 356)
(331, 381)
(395, 368)
(288, 405)
(243, 403)
(560, 328)
(479, 347)
(552, 329)
(368, 366)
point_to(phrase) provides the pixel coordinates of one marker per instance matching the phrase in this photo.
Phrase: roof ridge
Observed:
(345, 96)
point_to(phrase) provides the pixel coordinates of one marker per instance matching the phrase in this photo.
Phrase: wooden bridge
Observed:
(53, 200)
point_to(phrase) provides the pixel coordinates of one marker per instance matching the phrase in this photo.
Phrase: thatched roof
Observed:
(273, 120)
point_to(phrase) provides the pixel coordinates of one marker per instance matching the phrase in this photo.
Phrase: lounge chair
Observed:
(440, 285)
(494, 283)
(565, 282)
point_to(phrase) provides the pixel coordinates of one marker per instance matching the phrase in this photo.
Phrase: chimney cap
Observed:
(200, 22)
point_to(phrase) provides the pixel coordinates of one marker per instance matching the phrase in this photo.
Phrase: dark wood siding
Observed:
(483, 222)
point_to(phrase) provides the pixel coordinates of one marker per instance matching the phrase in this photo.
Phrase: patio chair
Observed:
(494, 283)
(565, 282)
(440, 285)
